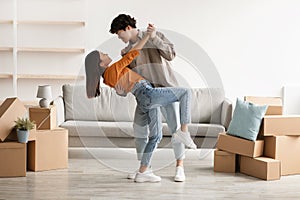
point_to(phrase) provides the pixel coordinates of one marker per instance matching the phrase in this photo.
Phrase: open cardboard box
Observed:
(10, 110)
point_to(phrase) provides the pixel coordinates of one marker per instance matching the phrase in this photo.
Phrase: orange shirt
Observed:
(119, 76)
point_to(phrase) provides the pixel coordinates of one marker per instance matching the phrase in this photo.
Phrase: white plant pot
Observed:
(22, 136)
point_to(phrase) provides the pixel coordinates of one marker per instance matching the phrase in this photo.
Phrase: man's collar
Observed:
(139, 35)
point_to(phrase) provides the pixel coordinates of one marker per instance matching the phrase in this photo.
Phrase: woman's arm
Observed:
(142, 42)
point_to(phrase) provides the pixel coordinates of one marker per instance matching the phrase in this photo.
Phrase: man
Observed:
(153, 64)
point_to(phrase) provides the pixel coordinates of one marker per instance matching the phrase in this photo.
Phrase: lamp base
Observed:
(44, 103)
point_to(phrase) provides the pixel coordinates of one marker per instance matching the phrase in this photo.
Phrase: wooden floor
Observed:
(101, 174)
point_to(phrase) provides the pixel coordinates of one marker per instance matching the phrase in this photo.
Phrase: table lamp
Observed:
(44, 92)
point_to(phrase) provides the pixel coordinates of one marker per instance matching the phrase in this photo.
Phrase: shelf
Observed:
(34, 22)
(4, 76)
(61, 38)
(51, 50)
(6, 21)
(49, 77)
(6, 49)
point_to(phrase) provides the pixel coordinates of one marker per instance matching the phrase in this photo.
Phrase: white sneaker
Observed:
(185, 138)
(179, 175)
(131, 175)
(146, 176)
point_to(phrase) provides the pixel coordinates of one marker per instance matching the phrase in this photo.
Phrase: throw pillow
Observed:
(246, 120)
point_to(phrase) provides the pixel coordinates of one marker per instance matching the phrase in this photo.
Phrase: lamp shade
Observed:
(44, 91)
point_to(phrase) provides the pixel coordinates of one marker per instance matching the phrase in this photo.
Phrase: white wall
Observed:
(253, 43)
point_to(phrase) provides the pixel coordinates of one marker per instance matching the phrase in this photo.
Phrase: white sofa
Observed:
(107, 121)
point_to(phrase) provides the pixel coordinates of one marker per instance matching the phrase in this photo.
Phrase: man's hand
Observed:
(151, 30)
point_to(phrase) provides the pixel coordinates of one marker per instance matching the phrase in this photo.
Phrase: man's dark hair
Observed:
(121, 22)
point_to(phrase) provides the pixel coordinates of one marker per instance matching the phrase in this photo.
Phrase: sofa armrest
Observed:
(60, 110)
(226, 114)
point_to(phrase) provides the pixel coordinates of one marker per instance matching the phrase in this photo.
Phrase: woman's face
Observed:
(105, 59)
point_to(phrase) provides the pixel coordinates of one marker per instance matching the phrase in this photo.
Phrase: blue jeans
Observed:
(149, 101)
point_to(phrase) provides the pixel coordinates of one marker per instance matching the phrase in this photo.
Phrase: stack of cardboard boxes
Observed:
(46, 149)
(49, 150)
(272, 155)
(12, 153)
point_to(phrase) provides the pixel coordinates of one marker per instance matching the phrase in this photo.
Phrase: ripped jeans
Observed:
(149, 101)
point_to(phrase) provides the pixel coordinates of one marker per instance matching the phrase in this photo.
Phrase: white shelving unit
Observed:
(46, 46)
(6, 48)
(47, 76)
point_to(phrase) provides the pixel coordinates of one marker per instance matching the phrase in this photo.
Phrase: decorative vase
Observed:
(22, 136)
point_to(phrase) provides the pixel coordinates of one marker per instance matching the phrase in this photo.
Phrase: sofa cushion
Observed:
(107, 107)
(206, 105)
(125, 129)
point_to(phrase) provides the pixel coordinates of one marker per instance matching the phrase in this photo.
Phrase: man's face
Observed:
(125, 36)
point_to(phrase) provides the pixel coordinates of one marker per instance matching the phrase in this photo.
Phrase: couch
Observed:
(107, 121)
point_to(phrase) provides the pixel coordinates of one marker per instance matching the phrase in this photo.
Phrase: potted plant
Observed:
(23, 126)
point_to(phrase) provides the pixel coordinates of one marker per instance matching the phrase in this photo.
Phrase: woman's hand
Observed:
(151, 30)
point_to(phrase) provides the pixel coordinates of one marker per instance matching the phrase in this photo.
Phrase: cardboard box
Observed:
(240, 146)
(12, 159)
(49, 150)
(10, 110)
(260, 167)
(286, 149)
(274, 104)
(280, 125)
(45, 118)
(224, 161)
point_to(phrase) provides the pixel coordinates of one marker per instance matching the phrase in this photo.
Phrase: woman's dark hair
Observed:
(121, 22)
(93, 73)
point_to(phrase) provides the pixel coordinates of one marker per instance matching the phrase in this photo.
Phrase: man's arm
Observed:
(164, 46)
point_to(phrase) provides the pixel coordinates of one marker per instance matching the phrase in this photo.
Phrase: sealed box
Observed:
(10, 110)
(286, 149)
(240, 146)
(274, 104)
(280, 125)
(260, 167)
(224, 161)
(45, 118)
(49, 150)
(12, 159)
